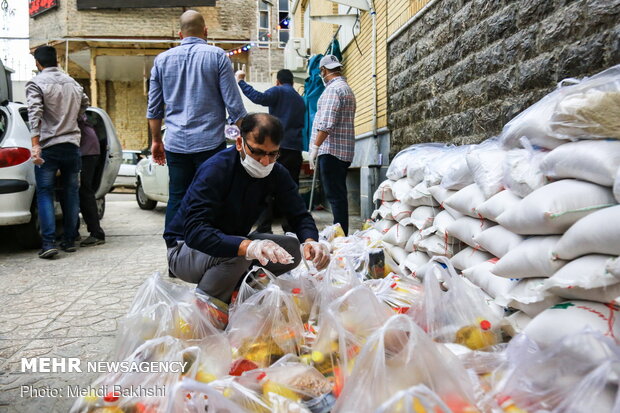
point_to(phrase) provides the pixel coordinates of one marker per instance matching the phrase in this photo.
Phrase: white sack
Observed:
(422, 217)
(486, 163)
(401, 212)
(458, 175)
(613, 266)
(398, 166)
(441, 194)
(466, 200)
(384, 192)
(440, 224)
(398, 235)
(482, 276)
(553, 208)
(522, 172)
(435, 245)
(416, 165)
(617, 186)
(416, 260)
(469, 257)
(530, 259)
(384, 211)
(420, 195)
(598, 233)
(593, 161)
(497, 204)
(498, 240)
(400, 189)
(529, 296)
(413, 240)
(516, 323)
(466, 228)
(451, 162)
(384, 225)
(585, 278)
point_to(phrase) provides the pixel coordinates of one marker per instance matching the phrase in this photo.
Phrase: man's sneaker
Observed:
(92, 241)
(48, 252)
(66, 247)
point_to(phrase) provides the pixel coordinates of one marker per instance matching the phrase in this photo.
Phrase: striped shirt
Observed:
(336, 115)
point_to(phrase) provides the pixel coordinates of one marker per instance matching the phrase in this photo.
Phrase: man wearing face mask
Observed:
(333, 137)
(208, 241)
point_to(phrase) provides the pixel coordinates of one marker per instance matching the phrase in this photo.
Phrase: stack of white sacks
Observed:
(531, 217)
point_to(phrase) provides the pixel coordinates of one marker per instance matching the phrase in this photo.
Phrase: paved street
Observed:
(68, 307)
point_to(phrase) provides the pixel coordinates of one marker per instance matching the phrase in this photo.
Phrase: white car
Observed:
(18, 205)
(151, 183)
(126, 177)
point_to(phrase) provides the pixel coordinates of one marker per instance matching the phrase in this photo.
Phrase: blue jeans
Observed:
(181, 170)
(64, 157)
(333, 172)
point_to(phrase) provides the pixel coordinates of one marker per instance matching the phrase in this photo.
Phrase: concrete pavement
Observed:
(69, 306)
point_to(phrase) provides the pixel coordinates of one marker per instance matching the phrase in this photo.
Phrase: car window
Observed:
(130, 158)
(23, 112)
(3, 124)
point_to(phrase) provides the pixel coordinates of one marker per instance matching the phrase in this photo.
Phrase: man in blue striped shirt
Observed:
(194, 84)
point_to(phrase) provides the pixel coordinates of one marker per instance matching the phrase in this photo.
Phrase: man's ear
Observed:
(239, 143)
(180, 35)
(206, 32)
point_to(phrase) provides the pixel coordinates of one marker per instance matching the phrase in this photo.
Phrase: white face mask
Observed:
(254, 168)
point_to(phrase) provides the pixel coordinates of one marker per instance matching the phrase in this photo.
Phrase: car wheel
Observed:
(100, 207)
(29, 235)
(143, 201)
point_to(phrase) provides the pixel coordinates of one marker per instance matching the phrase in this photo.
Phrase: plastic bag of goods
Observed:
(441, 194)
(590, 109)
(399, 293)
(417, 164)
(469, 257)
(466, 228)
(498, 240)
(597, 233)
(530, 259)
(344, 326)
(156, 290)
(418, 398)
(553, 208)
(458, 315)
(400, 189)
(522, 170)
(265, 327)
(482, 276)
(486, 164)
(420, 195)
(497, 204)
(564, 377)
(191, 396)
(450, 167)
(384, 192)
(398, 166)
(585, 278)
(137, 390)
(396, 357)
(593, 161)
(466, 200)
(528, 295)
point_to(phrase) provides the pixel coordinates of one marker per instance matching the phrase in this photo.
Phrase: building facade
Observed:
(110, 51)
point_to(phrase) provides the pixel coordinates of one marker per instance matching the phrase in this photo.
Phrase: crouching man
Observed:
(208, 241)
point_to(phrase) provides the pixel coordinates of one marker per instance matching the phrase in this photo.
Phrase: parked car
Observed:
(18, 206)
(151, 183)
(126, 177)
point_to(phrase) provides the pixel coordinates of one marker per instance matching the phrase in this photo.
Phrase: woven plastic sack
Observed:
(441, 194)
(398, 166)
(522, 170)
(384, 211)
(469, 257)
(585, 278)
(415, 260)
(530, 259)
(401, 212)
(400, 355)
(617, 186)
(415, 399)
(440, 246)
(466, 200)
(384, 225)
(498, 240)
(458, 315)
(440, 224)
(553, 208)
(486, 164)
(412, 242)
(384, 191)
(528, 295)
(482, 276)
(416, 165)
(452, 162)
(497, 204)
(593, 161)
(597, 233)
(400, 189)
(466, 228)
(420, 195)
(422, 217)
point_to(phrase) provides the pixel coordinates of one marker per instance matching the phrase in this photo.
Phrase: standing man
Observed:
(55, 101)
(333, 137)
(285, 104)
(195, 83)
(208, 241)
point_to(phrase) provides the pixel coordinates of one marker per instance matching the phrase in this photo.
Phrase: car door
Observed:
(113, 157)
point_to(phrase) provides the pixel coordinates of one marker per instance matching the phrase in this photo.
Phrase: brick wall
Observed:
(466, 67)
(126, 105)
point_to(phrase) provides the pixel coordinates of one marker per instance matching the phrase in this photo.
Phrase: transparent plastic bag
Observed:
(420, 195)
(417, 163)
(399, 293)
(458, 315)
(415, 399)
(522, 170)
(396, 357)
(450, 170)
(191, 396)
(398, 166)
(486, 164)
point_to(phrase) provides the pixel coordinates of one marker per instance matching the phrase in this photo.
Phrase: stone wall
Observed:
(466, 67)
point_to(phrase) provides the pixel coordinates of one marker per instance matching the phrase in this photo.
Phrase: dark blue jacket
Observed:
(223, 202)
(285, 104)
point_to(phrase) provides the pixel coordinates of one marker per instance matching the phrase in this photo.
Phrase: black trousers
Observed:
(292, 161)
(88, 205)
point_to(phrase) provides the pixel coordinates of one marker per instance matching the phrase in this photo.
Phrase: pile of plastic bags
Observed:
(488, 281)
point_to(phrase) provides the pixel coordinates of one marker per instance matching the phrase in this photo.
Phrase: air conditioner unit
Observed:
(293, 51)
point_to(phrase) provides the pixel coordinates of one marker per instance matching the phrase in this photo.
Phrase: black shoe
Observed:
(171, 275)
(66, 247)
(92, 241)
(48, 252)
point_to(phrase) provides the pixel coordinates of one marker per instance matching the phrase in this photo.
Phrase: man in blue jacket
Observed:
(285, 104)
(208, 241)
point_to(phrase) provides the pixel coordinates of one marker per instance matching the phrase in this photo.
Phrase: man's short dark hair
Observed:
(263, 125)
(285, 76)
(46, 56)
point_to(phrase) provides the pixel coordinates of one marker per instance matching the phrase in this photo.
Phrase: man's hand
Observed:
(36, 155)
(265, 250)
(159, 156)
(314, 153)
(239, 75)
(318, 252)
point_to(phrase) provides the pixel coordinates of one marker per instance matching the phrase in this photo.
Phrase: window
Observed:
(284, 23)
(264, 26)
